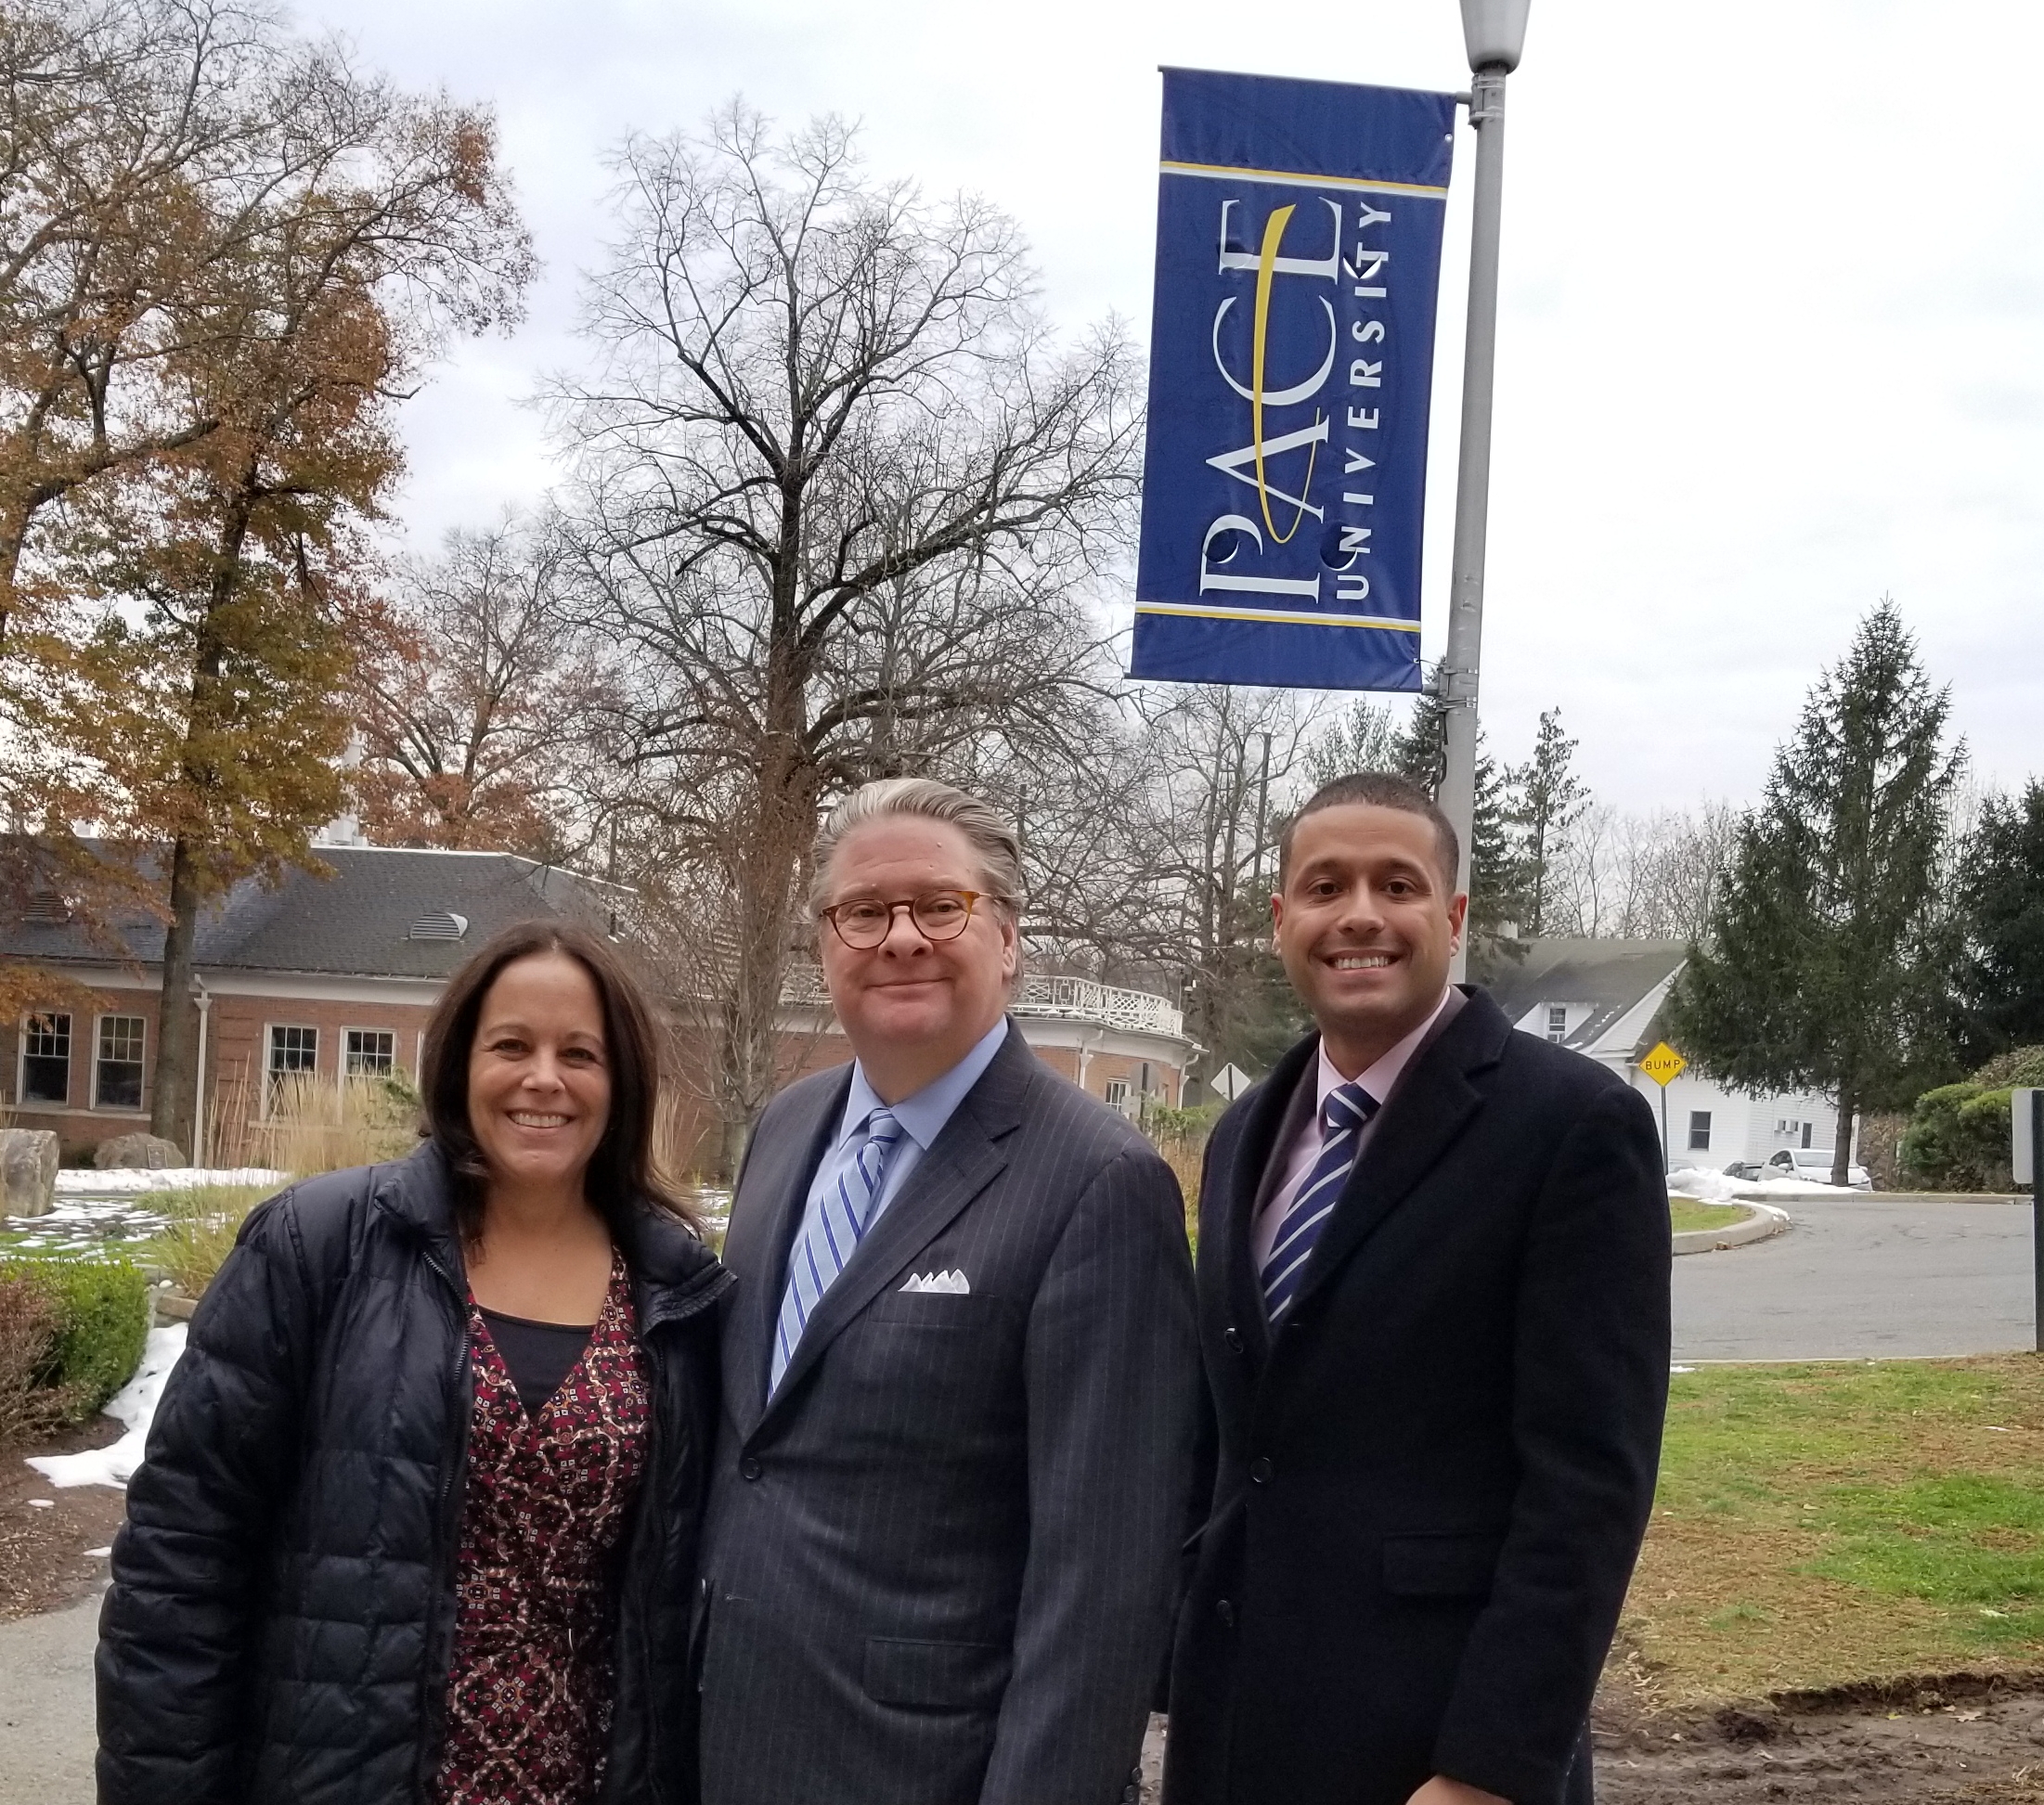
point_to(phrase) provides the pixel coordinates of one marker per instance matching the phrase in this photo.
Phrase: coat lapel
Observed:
(1266, 1110)
(765, 1213)
(964, 1159)
(1431, 1108)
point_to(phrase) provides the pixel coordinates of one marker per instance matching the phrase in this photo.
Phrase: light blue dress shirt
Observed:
(921, 1117)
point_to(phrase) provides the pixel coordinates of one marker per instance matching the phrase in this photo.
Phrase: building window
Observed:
(1117, 1093)
(46, 1060)
(1558, 1021)
(1808, 1128)
(369, 1053)
(294, 1053)
(1699, 1130)
(117, 1073)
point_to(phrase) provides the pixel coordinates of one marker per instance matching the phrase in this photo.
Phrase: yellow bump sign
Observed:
(1662, 1063)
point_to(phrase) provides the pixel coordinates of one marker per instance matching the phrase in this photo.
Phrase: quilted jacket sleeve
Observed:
(176, 1634)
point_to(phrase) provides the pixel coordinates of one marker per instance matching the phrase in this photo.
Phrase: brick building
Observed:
(322, 975)
(335, 977)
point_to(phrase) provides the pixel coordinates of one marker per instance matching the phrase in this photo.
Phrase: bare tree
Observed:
(837, 499)
(1633, 876)
(467, 705)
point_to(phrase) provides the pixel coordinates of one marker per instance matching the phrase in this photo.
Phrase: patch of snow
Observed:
(1705, 1187)
(123, 1179)
(42, 1504)
(81, 1224)
(133, 1405)
(97, 1554)
(1682, 1369)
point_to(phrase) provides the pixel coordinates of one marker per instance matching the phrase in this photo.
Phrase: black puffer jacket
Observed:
(282, 1610)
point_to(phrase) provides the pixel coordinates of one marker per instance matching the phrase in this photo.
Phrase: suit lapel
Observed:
(1423, 1118)
(1250, 1175)
(765, 1214)
(964, 1159)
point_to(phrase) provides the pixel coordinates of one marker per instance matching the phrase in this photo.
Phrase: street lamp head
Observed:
(1494, 32)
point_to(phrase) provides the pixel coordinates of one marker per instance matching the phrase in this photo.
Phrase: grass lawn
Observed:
(1688, 1215)
(1827, 1523)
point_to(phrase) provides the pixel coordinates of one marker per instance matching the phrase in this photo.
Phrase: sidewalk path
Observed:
(45, 1707)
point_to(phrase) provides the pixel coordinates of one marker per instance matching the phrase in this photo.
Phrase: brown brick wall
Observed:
(235, 1044)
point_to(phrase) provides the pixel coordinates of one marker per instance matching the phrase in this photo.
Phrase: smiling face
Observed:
(1366, 924)
(539, 1082)
(912, 1007)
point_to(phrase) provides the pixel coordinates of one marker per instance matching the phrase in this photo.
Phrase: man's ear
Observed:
(1458, 916)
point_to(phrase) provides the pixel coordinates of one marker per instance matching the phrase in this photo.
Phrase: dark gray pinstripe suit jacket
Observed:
(939, 1568)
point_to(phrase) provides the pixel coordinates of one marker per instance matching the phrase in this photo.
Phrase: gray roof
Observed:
(1611, 976)
(356, 921)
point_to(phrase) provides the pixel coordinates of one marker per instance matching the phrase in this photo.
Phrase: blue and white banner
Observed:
(1291, 367)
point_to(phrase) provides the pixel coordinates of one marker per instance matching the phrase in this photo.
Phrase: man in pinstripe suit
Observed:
(961, 1375)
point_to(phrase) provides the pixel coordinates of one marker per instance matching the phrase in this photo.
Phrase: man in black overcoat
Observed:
(1433, 1305)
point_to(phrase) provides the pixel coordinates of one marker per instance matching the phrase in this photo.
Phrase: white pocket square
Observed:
(954, 1282)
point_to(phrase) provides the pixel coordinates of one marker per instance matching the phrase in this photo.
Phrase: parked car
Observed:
(1744, 1170)
(1812, 1166)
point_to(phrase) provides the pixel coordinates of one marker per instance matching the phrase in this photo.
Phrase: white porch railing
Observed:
(1079, 1000)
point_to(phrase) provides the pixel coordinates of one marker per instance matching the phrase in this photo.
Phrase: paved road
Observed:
(1869, 1277)
(45, 1707)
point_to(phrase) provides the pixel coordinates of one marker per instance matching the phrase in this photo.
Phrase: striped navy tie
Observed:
(837, 1228)
(1342, 1118)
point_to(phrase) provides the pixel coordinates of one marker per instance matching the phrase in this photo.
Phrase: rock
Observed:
(138, 1152)
(28, 1171)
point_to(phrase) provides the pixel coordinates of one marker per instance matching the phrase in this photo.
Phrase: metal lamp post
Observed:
(1494, 32)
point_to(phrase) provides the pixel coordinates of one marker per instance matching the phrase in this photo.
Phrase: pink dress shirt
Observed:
(1306, 1146)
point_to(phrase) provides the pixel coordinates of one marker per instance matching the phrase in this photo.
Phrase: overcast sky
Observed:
(1772, 306)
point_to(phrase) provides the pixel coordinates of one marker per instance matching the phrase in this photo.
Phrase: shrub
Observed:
(2018, 1068)
(203, 1223)
(102, 1307)
(27, 1326)
(1958, 1139)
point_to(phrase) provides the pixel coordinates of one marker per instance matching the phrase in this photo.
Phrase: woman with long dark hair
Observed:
(418, 1515)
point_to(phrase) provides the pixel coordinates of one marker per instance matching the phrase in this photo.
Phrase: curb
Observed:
(1764, 1224)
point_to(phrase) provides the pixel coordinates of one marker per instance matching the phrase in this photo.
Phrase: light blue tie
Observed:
(1342, 1118)
(835, 1229)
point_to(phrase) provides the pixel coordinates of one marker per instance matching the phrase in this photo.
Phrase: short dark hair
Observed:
(623, 1169)
(1374, 790)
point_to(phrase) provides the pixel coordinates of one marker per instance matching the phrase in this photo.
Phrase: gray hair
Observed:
(993, 842)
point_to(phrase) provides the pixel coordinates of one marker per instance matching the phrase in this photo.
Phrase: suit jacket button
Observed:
(1234, 1338)
(1259, 1470)
(748, 1468)
(1225, 1610)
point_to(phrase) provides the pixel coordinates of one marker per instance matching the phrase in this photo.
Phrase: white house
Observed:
(1604, 998)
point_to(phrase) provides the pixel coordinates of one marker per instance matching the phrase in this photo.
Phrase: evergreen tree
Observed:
(1551, 800)
(2001, 908)
(1824, 965)
(1496, 871)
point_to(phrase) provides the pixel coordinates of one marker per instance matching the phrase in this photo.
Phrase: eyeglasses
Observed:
(865, 922)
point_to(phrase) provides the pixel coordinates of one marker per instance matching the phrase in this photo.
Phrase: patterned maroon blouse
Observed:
(530, 1693)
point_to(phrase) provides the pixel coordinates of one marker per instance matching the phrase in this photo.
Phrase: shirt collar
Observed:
(1378, 1078)
(923, 1114)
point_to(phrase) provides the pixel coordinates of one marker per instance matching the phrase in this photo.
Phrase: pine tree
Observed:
(2002, 906)
(1825, 962)
(1550, 800)
(1496, 871)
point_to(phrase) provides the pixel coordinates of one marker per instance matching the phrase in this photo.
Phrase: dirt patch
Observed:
(44, 1551)
(1955, 1739)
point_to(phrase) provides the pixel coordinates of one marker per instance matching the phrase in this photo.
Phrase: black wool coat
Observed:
(1432, 1482)
(282, 1610)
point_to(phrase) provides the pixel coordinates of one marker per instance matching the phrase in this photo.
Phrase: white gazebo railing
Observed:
(1077, 1000)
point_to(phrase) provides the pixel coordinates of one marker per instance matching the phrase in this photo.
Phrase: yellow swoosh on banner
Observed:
(1273, 233)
